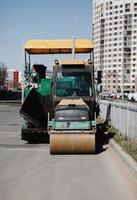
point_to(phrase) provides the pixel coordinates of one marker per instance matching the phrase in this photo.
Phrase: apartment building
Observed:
(115, 41)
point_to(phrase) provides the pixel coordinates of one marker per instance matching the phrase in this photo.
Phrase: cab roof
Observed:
(58, 46)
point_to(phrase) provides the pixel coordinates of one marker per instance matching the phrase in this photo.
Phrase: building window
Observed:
(128, 71)
(127, 5)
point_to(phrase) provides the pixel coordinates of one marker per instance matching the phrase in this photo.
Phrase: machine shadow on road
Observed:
(102, 137)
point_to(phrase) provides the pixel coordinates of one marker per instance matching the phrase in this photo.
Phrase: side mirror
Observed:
(99, 77)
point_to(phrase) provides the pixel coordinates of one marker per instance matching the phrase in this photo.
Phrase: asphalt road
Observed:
(29, 172)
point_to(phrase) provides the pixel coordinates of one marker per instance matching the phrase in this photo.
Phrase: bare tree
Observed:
(3, 73)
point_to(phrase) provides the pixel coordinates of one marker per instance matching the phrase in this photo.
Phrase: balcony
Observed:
(127, 49)
(126, 63)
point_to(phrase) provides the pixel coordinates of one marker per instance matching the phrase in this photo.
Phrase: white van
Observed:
(132, 96)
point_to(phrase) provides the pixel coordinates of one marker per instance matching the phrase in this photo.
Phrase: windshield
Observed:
(74, 83)
(72, 114)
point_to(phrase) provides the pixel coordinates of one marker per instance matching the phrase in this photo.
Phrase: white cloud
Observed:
(75, 18)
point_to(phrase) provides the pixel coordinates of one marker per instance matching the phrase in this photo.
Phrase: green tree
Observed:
(3, 73)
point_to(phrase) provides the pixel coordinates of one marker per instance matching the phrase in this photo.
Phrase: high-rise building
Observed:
(115, 41)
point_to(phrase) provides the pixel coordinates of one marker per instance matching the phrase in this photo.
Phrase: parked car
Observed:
(132, 96)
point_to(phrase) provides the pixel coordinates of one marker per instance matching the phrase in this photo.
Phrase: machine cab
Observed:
(72, 79)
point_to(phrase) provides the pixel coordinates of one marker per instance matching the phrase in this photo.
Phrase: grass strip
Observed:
(128, 145)
(11, 103)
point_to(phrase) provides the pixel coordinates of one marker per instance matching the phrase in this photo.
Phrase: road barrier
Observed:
(123, 116)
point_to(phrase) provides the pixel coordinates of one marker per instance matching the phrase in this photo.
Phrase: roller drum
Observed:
(72, 143)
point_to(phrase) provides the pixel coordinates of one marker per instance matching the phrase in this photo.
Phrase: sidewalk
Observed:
(126, 158)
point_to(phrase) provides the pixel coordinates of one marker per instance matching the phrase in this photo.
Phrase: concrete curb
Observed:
(126, 158)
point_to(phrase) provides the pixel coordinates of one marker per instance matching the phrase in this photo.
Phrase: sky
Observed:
(21, 20)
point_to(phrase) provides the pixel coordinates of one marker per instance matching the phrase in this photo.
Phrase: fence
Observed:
(123, 116)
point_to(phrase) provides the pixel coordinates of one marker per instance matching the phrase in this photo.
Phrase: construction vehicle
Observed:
(61, 109)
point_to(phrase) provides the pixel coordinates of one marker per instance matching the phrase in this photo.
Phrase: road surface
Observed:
(29, 172)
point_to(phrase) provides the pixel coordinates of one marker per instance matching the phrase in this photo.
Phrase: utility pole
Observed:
(73, 47)
(123, 79)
